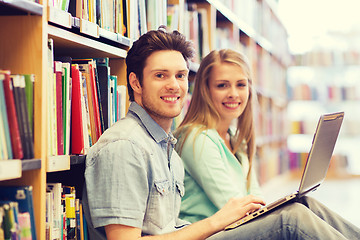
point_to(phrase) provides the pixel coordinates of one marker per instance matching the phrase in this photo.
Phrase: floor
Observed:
(339, 194)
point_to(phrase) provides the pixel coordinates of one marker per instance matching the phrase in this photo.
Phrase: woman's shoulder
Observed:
(202, 131)
(195, 133)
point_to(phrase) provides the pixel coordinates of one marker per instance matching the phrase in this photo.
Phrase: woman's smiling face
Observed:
(229, 90)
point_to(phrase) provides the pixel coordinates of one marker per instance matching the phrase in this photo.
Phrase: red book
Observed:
(77, 134)
(59, 107)
(87, 67)
(95, 99)
(12, 117)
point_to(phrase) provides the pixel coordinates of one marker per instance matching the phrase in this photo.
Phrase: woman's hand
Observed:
(234, 209)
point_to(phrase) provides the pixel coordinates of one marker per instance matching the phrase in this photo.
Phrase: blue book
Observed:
(103, 81)
(24, 196)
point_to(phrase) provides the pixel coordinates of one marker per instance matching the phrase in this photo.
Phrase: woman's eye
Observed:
(221, 85)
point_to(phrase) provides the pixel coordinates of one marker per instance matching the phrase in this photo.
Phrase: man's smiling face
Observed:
(164, 85)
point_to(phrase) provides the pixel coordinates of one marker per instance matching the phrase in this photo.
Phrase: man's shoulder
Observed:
(127, 129)
(124, 128)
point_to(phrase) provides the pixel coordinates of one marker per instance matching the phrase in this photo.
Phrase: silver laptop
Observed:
(316, 166)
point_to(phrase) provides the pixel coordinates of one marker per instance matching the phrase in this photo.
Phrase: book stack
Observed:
(16, 115)
(108, 15)
(84, 100)
(17, 213)
(64, 214)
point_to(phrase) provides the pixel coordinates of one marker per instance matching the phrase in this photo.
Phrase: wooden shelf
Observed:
(73, 44)
(243, 26)
(20, 7)
(10, 169)
(77, 159)
(30, 164)
(58, 163)
(85, 28)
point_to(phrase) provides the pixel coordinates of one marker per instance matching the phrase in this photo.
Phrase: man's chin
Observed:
(172, 115)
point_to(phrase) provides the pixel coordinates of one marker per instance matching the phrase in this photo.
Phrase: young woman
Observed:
(216, 141)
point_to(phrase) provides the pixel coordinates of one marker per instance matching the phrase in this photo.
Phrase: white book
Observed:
(56, 189)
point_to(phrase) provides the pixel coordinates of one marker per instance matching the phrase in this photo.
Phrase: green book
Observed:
(29, 92)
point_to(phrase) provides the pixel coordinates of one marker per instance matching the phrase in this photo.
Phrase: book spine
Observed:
(5, 123)
(12, 118)
(15, 80)
(103, 71)
(29, 91)
(59, 107)
(101, 115)
(28, 132)
(95, 101)
(77, 135)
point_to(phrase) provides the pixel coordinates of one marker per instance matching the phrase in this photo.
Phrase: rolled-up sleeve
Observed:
(115, 177)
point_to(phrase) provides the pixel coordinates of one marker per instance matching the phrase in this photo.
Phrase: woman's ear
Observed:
(134, 83)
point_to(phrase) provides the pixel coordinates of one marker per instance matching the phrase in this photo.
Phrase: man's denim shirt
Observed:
(134, 177)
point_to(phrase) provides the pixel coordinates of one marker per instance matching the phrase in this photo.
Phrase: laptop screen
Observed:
(322, 147)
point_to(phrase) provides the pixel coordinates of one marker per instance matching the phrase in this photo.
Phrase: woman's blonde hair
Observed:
(202, 113)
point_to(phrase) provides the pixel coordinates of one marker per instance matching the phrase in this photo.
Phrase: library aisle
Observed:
(340, 194)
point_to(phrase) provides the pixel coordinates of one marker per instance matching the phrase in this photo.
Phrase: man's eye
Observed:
(159, 75)
(181, 76)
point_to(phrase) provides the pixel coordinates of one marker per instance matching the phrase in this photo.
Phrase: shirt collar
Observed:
(156, 132)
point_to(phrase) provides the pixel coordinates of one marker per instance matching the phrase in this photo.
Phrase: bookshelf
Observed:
(22, 52)
(325, 79)
(29, 25)
(322, 88)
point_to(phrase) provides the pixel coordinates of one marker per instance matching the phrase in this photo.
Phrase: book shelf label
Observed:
(10, 169)
(89, 28)
(59, 17)
(58, 163)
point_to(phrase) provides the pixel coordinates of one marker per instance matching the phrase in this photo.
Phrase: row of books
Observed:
(271, 162)
(113, 15)
(16, 115)
(303, 126)
(261, 17)
(196, 29)
(108, 15)
(270, 74)
(64, 214)
(84, 101)
(297, 160)
(326, 57)
(323, 93)
(151, 14)
(17, 213)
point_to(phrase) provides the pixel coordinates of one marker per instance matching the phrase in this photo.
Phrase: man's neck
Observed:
(164, 123)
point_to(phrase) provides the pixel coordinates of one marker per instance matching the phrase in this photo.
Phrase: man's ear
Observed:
(134, 83)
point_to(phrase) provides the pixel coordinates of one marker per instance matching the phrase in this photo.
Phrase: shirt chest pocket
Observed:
(162, 187)
(161, 204)
(180, 191)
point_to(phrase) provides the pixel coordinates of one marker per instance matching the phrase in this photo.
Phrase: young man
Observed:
(134, 178)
